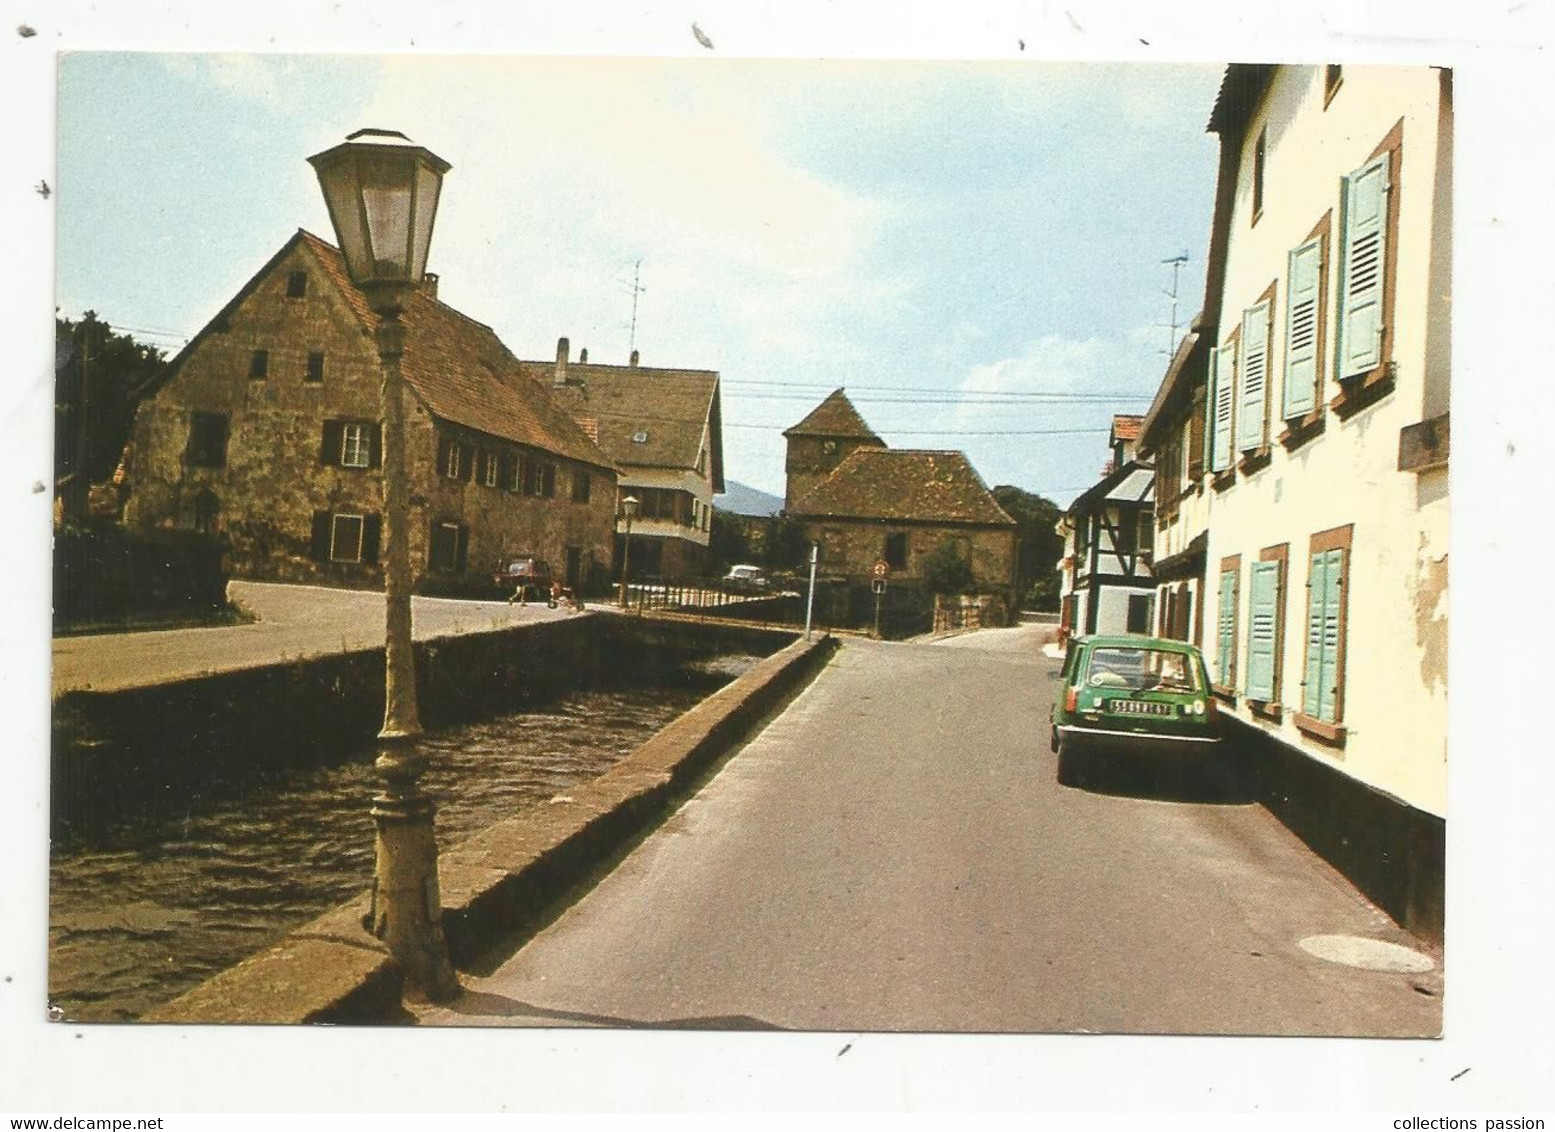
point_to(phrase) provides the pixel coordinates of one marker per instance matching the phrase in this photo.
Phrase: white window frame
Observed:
(356, 446)
(335, 521)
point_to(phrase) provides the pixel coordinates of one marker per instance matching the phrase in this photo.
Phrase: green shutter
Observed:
(1363, 263)
(1320, 697)
(1328, 692)
(1226, 644)
(1255, 376)
(1312, 680)
(1262, 617)
(1306, 271)
(1222, 398)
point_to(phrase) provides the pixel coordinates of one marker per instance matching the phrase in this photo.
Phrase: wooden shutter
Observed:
(1327, 701)
(466, 463)
(1319, 697)
(1222, 398)
(1263, 596)
(329, 448)
(445, 449)
(372, 537)
(321, 523)
(1226, 644)
(1305, 266)
(1255, 377)
(375, 445)
(1364, 252)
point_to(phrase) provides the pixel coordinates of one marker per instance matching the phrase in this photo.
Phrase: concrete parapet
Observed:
(507, 879)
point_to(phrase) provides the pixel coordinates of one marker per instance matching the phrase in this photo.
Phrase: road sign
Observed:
(882, 569)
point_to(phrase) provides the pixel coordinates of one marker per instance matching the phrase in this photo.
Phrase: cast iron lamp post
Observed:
(382, 195)
(629, 506)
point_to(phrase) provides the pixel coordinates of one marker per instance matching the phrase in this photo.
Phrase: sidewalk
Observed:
(293, 622)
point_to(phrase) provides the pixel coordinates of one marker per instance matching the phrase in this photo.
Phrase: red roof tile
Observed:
(904, 485)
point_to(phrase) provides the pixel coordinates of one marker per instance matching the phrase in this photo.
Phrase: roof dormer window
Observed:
(640, 436)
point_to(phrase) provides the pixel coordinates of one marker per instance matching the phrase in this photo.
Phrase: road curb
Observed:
(505, 880)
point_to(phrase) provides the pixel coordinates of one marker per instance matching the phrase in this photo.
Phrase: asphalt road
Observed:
(292, 622)
(893, 853)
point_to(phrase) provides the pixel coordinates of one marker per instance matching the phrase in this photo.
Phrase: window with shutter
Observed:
(1263, 600)
(345, 543)
(1255, 373)
(1225, 653)
(1305, 271)
(1363, 263)
(1223, 399)
(355, 445)
(1322, 696)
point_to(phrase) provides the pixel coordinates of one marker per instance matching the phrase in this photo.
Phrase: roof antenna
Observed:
(636, 288)
(1176, 261)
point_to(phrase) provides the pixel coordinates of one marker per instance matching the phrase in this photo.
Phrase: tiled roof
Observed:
(464, 374)
(1240, 89)
(1126, 427)
(834, 417)
(646, 417)
(904, 485)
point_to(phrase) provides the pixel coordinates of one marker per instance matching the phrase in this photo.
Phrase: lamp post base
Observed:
(407, 906)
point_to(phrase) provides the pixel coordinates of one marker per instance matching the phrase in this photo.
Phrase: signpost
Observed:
(880, 572)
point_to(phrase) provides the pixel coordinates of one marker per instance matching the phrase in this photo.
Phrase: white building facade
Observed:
(1323, 491)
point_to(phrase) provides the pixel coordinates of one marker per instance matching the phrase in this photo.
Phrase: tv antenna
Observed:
(637, 289)
(1176, 263)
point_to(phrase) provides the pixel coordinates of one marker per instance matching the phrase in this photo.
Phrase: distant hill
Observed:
(742, 500)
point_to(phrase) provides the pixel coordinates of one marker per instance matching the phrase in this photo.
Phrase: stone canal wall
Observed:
(207, 731)
(512, 877)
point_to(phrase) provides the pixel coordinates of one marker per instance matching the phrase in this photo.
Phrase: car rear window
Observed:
(1142, 669)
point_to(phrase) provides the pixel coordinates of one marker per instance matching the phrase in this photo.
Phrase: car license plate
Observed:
(1139, 707)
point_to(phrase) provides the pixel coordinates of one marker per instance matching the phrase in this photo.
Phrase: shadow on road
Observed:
(1206, 781)
(482, 1004)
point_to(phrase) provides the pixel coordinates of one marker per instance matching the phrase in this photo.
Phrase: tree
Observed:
(1038, 546)
(99, 378)
(946, 570)
(727, 542)
(786, 547)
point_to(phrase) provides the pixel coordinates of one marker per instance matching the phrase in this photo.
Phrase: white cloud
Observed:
(567, 171)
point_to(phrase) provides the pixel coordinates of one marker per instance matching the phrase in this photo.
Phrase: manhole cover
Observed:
(1370, 954)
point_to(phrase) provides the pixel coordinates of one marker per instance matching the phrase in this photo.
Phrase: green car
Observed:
(1133, 695)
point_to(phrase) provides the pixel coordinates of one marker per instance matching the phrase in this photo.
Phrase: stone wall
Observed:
(851, 548)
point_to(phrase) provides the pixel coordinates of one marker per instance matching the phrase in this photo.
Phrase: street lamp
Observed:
(629, 505)
(382, 194)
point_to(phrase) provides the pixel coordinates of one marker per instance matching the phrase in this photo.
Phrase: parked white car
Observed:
(747, 579)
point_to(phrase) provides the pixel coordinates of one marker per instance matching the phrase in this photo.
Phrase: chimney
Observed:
(583, 356)
(562, 349)
(635, 356)
(429, 285)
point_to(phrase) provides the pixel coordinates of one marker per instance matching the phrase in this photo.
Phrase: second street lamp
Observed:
(382, 193)
(629, 506)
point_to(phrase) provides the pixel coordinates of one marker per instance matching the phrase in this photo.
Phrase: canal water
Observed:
(163, 892)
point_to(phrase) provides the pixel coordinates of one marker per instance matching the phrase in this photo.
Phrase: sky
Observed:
(972, 249)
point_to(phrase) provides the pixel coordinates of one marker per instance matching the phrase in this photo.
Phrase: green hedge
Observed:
(103, 571)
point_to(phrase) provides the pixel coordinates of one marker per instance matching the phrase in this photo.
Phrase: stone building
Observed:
(817, 444)
(266, 430)
(865, 503)
(663, 428)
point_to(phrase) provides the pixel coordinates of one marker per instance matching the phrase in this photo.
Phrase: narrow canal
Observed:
(157, 895)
